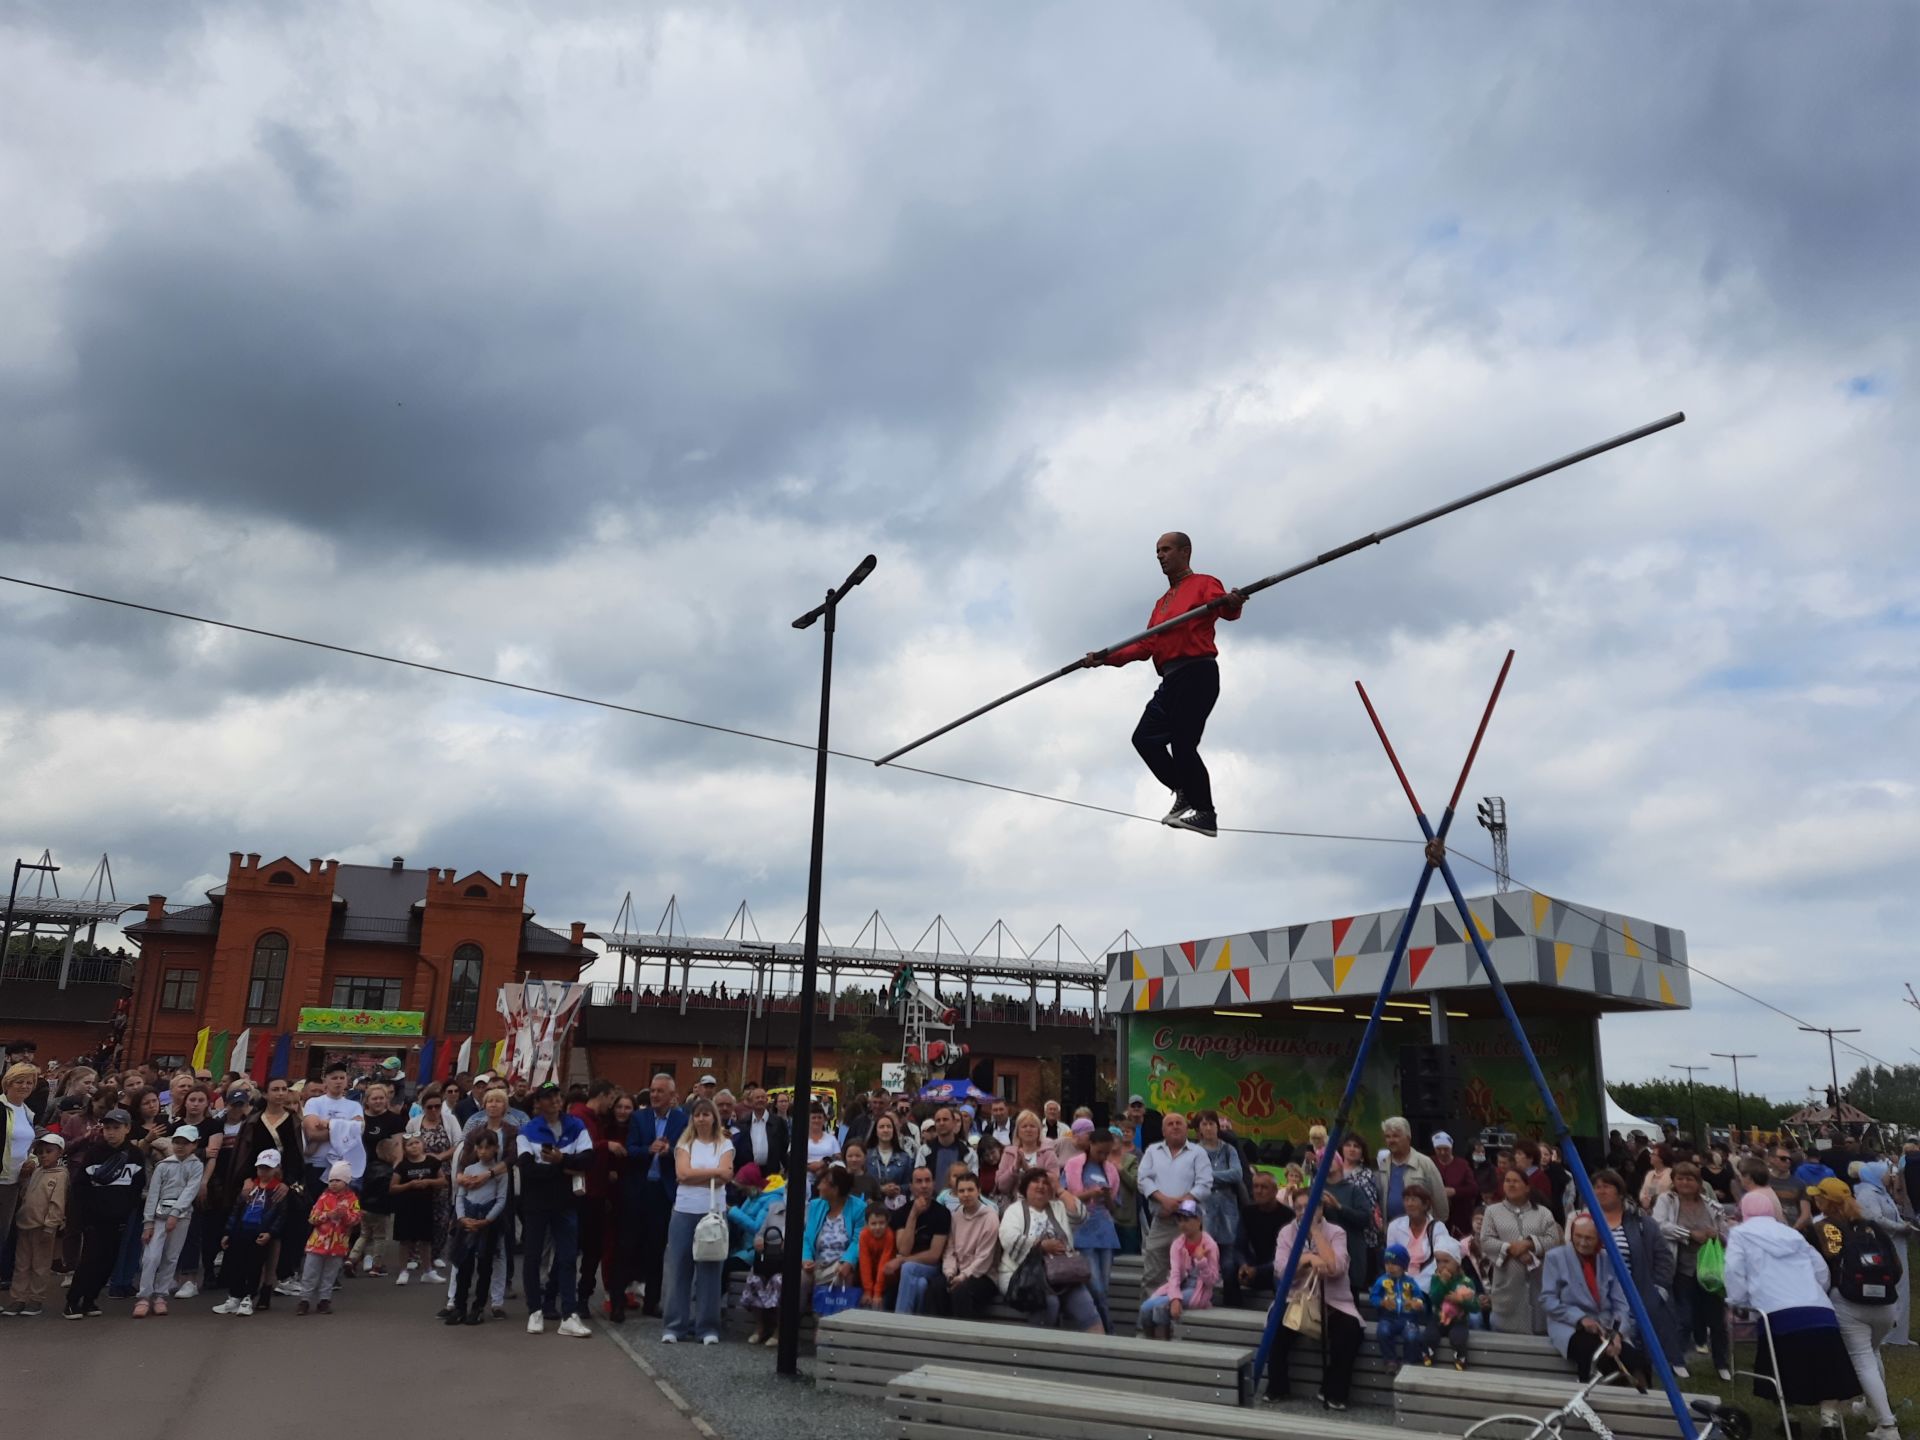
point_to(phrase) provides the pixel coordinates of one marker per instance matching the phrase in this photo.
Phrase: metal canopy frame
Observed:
(1436, 863)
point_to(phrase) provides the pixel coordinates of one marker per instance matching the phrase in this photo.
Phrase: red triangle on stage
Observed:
(1244, 979)
(1187, 949)
(1340, 928)
(1416, 962)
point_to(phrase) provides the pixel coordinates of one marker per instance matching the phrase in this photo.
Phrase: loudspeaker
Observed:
(1429, 1087)
(1076, 1083)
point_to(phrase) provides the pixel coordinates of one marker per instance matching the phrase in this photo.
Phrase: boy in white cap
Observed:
(41, 1216)
(259, 1219)
(171, 1191)
(333, 1217)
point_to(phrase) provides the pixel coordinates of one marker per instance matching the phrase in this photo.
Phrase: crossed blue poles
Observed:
(1436, 862)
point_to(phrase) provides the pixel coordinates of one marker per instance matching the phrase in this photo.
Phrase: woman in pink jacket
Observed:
(1093, 1179)
(1028, 1150)
(1325, 1260)
(1193, 1271)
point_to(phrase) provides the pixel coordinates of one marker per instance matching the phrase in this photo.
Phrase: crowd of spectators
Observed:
(154, 1189)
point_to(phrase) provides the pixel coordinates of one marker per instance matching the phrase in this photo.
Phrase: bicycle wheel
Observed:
(1507, 1427)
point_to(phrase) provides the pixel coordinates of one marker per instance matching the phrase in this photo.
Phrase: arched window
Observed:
(268, 979)
(463, 991)
(476, 892)
(280, 877)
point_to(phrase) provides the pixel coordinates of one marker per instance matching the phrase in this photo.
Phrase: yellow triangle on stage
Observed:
(1139, 970)
(1342, 967)
(1562, 953)
(1480, 925)
(1142, 995)
(1225, 962)
(1633, 946)
(1666, 991)
(1541, 905)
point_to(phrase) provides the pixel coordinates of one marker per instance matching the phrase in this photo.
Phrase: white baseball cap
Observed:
(267, 1158)
(189, 1133)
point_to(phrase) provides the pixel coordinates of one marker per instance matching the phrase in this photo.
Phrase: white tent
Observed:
(1626, 1122)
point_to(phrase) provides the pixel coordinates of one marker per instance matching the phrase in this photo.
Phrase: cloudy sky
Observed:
(587, 345)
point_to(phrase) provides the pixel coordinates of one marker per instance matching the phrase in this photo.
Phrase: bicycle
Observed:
(1721, 1422)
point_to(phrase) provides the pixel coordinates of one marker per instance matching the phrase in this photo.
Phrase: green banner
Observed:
(362, 1022)
(1275, 1078)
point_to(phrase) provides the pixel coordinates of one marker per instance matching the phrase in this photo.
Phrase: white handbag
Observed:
(711, 1242)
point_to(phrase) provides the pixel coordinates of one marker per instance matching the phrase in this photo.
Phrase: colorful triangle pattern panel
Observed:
(1342, 967)
(1417, 957)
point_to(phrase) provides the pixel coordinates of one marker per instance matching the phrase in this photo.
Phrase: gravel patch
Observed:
(733, 1387)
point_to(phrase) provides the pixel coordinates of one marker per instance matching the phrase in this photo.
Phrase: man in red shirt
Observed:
(1168, 735)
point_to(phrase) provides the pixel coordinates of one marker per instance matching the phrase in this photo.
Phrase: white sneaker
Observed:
(246, 1307)
(404, 1276)
(709, 1339)
(413, 1264)
(229, 1307)
(536, 1324)
(1680, 1373)
(1725, 1374)
(574, 1326)
(667, 1337)
(1884, 1432)
(439, 1269)
(289, 1288)
(186, 1291)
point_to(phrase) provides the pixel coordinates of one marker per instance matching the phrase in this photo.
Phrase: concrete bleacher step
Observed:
(862, 1351)
(1447, 1401)
(941, 1402)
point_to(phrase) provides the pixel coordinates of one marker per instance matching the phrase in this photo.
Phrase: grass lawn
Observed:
(1903, 1388)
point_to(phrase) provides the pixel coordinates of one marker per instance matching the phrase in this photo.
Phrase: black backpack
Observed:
(1869, 1269)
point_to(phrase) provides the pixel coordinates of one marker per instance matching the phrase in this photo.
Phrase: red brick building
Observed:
(356, 961)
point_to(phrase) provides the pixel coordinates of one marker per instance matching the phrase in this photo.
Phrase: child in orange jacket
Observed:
(876, 1251)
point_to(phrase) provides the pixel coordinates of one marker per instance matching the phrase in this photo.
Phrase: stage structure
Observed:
(94, 904)
(1057, 960)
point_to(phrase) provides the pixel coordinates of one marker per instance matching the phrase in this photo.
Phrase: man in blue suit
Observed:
(646, 1195)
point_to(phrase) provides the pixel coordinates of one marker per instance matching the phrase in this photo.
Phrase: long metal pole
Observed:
(1374, 537)
(797, 1125)
(1739, 1113)
(6, 930)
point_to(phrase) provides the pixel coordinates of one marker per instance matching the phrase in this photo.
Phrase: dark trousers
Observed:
(1168, 735)
(1339, 1348)
(1584, 1345)
(1455, 1334)
(246, 1260)
(473, 1250)
(99, 1249)
(1706, 1319)
(643, 1239)
(555, 1296)
(970, 1297)
(593, 1237)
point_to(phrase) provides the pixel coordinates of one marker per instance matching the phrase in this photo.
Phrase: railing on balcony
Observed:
(88, 970)
(998, 1010)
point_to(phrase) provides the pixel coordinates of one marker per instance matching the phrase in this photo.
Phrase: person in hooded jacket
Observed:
(255, 1224)
(1771, 1268)
(107, 1185)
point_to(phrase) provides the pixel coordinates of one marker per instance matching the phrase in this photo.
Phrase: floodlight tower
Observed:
(1493, 818)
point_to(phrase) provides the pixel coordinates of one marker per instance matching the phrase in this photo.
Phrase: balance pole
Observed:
(1373, 537)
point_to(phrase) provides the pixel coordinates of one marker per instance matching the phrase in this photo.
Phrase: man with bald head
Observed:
(1168, 735)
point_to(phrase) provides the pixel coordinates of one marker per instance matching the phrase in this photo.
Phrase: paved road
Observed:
(381, 1367)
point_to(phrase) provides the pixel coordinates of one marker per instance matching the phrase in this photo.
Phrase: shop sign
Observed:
(324, 1021)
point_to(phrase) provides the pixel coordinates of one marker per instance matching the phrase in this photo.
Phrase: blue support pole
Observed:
(1283, 1282)
(1563, 1137)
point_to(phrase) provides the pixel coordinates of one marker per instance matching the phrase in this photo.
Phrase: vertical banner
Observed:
(540, 1016)
(466, 1057)
(282, 1066)
(199, 1057)
(217, 1054)
(424, 1075)
(263, 1059)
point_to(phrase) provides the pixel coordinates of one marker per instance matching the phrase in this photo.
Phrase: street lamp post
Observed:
(1693, 1102)
(1833, 1065)
(1739, 1115)
(788, 1363)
